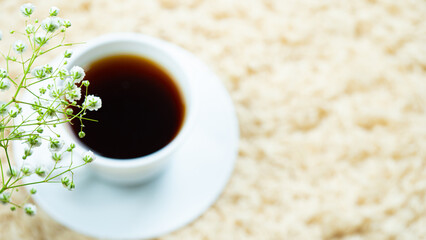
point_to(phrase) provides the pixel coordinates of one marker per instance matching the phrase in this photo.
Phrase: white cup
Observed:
(141, 169)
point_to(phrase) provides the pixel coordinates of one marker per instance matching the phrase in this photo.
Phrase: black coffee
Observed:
(142, 108)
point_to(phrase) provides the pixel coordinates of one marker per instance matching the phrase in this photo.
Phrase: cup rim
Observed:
(188, 121)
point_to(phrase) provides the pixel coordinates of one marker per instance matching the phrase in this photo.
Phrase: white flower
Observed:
(55, 144)
(19, 46)
(73, 94)
(3, 109)
(54, 11)
(30, 209)
(69, 83)
(55, 92)
(4, 81)
(40, 39)
(66, 23)
(50, 24)
(27, 9)
(5, 84)
(77, 73)
(50, 107)
(1, 35)
(3, 73)
(29, 29)
(38, 72)
(92, 103)
(58, 21)
(88, 157)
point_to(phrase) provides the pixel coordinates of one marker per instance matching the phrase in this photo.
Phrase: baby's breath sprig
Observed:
(55, 91)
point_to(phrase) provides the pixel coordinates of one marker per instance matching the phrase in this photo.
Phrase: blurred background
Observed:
(330, 97)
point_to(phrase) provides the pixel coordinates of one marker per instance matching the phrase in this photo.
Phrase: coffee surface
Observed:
(142, 108)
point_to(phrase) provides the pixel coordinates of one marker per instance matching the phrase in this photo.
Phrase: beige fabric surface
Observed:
(330, 97)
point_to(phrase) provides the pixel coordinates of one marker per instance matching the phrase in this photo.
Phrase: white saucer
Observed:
(191, 184)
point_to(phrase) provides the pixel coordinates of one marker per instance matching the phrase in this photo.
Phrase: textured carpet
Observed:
(331, 101)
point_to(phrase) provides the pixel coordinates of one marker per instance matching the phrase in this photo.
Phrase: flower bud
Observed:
(30, 209)
(26, 170)
(28, 152)
(56, 157)
(88, 157)
(71, 147)
(3, 73)
(42, 90)
(71, 186)
(63, 73)
(48, 69)
(40, 172)
(81, 134)
(65, 181)
(12, 172)
(69, 111)
(4, 197)
(55, 144)
(68, 53)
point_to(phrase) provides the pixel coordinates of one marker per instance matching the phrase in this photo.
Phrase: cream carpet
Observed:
(331, 99)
